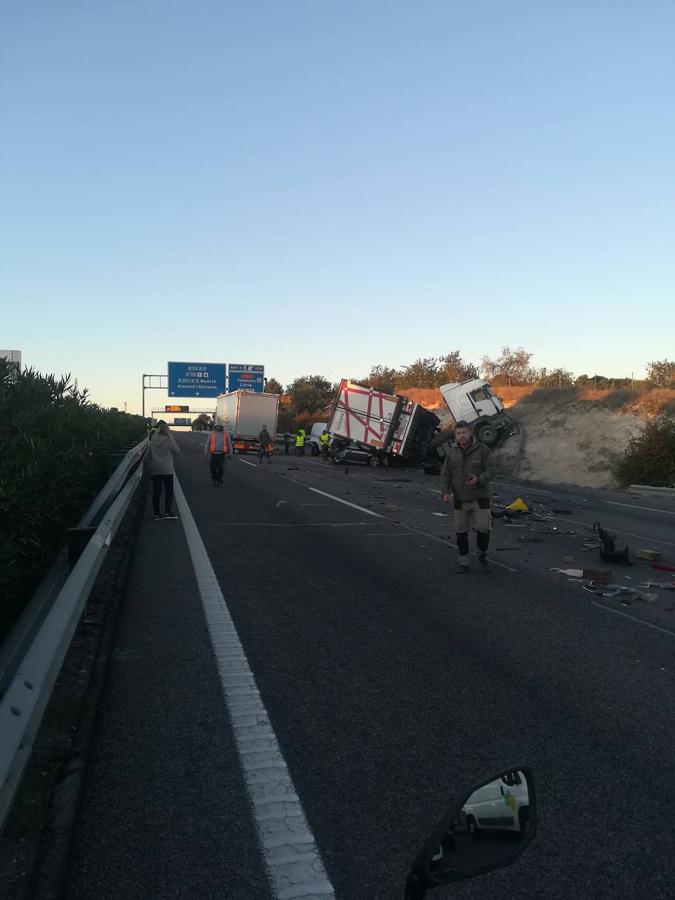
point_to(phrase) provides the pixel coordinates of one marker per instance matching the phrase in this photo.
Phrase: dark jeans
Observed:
(159, 482)
(217, 464)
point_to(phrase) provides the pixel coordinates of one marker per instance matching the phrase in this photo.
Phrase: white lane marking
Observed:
(447, 543)
(292, 858)
(632, 618)
(522, 487)
(666, 512)
(292, 524)
(247, 462)
(529, 490)
(368, 512)
(640, 537)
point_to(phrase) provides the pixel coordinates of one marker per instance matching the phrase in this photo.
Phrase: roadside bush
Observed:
(650, 455)
(54, 443)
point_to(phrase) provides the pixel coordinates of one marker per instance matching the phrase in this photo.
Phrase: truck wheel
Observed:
(487, 434)
(315, 450)
(373, 461)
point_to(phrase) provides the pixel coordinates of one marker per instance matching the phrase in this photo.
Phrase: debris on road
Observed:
(518, 505)
(571, 573)
(608, 551)
(599, 577)
(663, 567)
(648, 554)
(663, 585)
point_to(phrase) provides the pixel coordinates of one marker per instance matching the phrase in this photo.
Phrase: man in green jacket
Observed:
(466, 474)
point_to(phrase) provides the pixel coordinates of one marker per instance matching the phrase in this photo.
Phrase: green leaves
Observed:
(54, 442)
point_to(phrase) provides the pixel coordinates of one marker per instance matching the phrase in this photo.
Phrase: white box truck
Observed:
(387, 427)
(243, 414)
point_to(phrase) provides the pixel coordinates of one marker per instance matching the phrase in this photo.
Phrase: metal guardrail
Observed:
(36, 647)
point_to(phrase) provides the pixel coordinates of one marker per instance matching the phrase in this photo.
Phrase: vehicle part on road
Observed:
(599, 577)
(648, 553)
(663, 567)
(608, 551)
(488, 829)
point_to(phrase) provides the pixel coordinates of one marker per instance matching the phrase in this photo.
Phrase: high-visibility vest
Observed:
(300, 439)
(212, 443)
(324, 438)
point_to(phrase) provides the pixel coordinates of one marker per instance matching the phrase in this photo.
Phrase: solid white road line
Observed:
(247, 462)
(666, 512)
(632, 618)
(292, 858)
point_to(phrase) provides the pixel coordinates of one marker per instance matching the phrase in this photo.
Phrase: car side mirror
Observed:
(488, 828)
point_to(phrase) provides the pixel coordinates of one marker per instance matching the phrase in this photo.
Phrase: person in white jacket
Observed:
(162, 449)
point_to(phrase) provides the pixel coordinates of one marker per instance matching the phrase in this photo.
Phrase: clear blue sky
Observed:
(319, 186)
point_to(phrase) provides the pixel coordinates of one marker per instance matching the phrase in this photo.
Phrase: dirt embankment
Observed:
(572, 436)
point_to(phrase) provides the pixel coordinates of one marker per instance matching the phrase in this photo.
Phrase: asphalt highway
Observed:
(392, 685)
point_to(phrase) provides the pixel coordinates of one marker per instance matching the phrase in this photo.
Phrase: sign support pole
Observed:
(151, 387)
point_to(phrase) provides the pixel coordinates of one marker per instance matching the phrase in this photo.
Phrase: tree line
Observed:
(310, 394)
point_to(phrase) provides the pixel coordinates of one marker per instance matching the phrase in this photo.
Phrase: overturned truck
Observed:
(385, 428)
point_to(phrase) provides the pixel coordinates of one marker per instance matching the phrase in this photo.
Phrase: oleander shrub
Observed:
(649, 458)
(53, 460)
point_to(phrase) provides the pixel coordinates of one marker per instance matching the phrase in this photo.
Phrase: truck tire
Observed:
(315, 450)
(487, 434)
(374, 461)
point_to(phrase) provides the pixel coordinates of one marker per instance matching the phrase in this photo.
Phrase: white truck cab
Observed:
(474, 402)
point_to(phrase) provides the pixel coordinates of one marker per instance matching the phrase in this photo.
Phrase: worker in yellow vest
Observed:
(324, 440)
(300, 442)
(217, 448)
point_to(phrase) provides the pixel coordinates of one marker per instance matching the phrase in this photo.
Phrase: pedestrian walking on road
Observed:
(300, 442)
(161, 450)
(217, 448)
(466, 474)
(265, 444)
(287, 443)
(324, 440)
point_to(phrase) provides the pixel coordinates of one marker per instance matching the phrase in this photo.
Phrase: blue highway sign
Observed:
(195, 379)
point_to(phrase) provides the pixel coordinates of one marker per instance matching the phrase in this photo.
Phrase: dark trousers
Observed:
(286, 449)
(159, 482)
(300, 451)
(217, 464)
(324, 450)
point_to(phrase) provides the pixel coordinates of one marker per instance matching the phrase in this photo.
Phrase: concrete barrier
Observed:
(649, 489)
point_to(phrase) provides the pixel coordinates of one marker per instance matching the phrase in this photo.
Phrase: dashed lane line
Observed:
(618, 612)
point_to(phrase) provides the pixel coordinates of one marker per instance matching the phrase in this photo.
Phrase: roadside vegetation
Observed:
(650, 456)
(512, 373)
(54, 460)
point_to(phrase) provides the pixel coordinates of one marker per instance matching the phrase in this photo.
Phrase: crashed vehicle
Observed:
(373, 427)
(474, 402)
